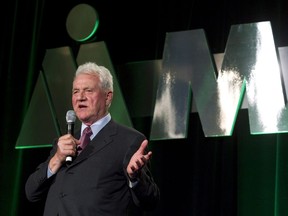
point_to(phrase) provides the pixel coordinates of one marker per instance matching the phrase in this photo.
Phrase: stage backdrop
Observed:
(167, 80)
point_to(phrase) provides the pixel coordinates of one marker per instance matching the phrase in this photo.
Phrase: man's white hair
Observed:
(105, 77)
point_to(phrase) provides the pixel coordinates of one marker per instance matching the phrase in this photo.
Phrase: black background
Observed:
(133, 31)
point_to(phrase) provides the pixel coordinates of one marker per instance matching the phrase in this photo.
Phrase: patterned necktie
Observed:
(85, 139)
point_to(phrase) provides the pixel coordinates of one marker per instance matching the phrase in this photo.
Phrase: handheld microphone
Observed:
(70, 119)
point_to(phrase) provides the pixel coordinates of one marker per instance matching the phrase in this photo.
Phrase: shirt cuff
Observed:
(132, 184)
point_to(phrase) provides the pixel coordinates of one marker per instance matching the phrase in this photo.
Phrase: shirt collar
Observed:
(98, 125)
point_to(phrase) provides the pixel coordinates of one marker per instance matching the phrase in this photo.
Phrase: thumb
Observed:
(143, 146)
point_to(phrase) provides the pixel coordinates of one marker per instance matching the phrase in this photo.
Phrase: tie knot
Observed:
(87, 131)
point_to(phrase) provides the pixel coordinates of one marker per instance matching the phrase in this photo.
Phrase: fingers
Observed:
(135, 169)
(143, 146)
(67, 146)
(138, 164)
(138, 160)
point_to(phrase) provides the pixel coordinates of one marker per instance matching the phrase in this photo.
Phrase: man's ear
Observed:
(109, 97)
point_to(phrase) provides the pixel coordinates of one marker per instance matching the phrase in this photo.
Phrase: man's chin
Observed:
(82, 115)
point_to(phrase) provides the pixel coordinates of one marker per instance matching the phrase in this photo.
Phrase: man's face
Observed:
(89, 101)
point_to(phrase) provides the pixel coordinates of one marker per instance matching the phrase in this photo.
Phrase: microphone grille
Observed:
(70, 116)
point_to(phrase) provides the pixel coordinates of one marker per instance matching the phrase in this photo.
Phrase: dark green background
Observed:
(239, 175)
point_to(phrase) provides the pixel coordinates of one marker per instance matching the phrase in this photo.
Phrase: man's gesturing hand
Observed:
(138, 160)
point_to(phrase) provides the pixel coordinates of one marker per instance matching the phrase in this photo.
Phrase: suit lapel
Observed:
(100, 141)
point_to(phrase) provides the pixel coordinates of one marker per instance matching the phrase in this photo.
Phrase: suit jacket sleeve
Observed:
(37, 184)
(145, 193)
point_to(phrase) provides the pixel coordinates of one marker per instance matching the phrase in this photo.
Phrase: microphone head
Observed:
(70, 116)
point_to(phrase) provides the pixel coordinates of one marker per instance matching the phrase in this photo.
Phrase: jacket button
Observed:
(62, 195)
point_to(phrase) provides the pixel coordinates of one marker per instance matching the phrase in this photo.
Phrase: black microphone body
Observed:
(70, 119)
(70, 128)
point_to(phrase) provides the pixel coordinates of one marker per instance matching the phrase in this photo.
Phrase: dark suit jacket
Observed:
(96, 182)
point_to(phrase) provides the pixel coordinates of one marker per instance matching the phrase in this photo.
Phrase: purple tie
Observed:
(85, 139)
